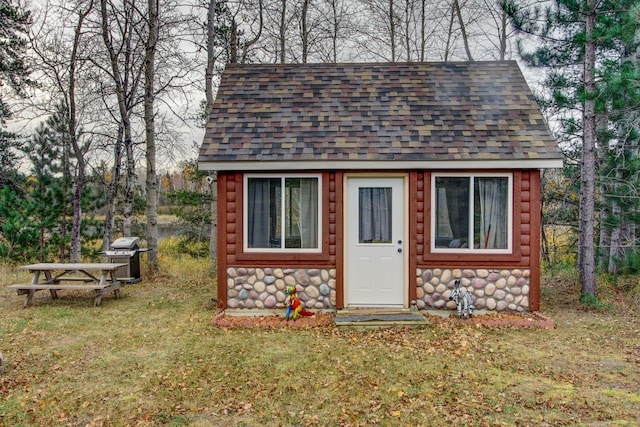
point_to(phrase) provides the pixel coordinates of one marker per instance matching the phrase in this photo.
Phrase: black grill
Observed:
(126, 250)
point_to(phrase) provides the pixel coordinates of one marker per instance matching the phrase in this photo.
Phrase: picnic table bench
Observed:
(97, 277)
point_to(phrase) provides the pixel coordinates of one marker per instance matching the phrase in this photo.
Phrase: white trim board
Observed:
(296, 165)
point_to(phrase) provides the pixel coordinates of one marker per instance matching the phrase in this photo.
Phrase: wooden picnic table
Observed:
(97, 277)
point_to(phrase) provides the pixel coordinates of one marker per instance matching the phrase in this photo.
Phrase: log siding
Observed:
(526, 233)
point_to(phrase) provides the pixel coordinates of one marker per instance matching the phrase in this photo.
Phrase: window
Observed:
(282, 213)
(472, 212)
(374, 215)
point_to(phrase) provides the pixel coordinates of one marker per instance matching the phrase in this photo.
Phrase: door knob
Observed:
(399, 250)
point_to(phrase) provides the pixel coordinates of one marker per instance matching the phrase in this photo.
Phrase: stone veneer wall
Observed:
(265, 287)
(496, 290)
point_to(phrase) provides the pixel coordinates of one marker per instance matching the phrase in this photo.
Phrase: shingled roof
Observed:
(389, 115)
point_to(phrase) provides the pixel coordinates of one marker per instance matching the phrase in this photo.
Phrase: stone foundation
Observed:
(265, 287)
(495, 290)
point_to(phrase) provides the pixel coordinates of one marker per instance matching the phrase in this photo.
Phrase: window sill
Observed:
(469, 256)
(283, 256)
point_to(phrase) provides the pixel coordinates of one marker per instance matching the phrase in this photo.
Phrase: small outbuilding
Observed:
(378, 185)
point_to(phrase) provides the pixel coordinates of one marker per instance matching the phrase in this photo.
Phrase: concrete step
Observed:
(379, 318)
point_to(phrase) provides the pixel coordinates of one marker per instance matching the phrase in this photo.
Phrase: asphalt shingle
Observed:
(376, 112)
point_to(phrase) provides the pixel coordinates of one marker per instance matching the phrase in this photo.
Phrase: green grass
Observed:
(153, 357)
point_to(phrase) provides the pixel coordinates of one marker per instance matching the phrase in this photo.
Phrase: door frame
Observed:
(405, 234)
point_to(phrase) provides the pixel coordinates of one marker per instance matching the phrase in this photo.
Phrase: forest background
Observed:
(100, 101)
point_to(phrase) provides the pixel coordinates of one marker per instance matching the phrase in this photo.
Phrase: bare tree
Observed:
(378, 30)
(463, 30)
(125, 72)
(336, 26)
(248, 43)
(214, 30)
(456, 14)
(61, 54)
(149, 120)
(212, 56)
(78, 183)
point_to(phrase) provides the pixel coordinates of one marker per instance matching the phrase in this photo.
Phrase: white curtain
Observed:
(492, 194)
(258, 198)
(309, 212)
(375, 215)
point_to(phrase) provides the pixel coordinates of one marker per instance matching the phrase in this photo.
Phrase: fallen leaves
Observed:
(491, 320)
(272, 322)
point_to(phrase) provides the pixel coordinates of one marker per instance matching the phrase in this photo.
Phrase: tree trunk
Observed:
(503, 33)
(149, 120)
(132, 180)
(587, 271)
(447, 48)
(211, 57)
(615, 240)
(305, 35)
(209, 74)
(618, 236)
(392, 31)
(334, 31)
(233, 48)
(283, 32)
(66, 179)
(124, 136)
(75, 250)
(407, 22)
(463, 30)
(423, 30)
(112, 193)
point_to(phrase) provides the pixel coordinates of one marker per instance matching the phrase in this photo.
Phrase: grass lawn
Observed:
(153, 357)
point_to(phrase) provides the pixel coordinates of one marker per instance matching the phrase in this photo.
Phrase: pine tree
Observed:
(14, 73)
(45, 154)
(574, 40)
(619, 104)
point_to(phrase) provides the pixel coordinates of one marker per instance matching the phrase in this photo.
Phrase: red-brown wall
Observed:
(526, 232)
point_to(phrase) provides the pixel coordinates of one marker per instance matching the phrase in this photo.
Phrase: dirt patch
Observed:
(518, 320)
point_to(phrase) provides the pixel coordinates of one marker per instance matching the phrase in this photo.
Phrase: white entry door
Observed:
(375, 247)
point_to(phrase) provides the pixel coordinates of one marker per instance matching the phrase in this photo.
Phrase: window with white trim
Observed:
(282, 213)
(472, 212)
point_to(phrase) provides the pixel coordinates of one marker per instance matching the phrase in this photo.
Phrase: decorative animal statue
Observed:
(463, 300)
(294, 306)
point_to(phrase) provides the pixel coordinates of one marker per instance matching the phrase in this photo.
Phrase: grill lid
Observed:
(125, 243)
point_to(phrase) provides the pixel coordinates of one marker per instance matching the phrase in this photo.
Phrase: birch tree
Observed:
(149, 120)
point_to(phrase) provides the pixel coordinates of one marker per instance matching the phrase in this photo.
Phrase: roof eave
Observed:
(289, 165)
